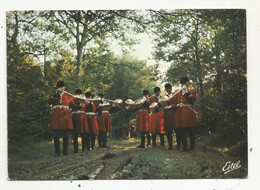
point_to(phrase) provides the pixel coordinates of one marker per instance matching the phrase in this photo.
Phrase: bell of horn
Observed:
(153, 106)
(163, 100)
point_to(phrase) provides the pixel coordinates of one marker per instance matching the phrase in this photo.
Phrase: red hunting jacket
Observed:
(142, 118)
(79, 117)
(184, 114)
(91, 110)
(61, 116)
(156, 120)
(104, 121)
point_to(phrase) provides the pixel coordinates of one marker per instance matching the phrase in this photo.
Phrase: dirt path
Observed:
(123, 161)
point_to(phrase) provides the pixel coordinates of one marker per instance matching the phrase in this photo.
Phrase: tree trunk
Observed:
(199, 69)
(79, 45)
(218, 67)
(16, 55)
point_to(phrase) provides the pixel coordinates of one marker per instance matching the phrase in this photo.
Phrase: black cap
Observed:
(156, 89)
(184, 80)
(167, 86)
(88, 94)
(60, 84)
(145, 92)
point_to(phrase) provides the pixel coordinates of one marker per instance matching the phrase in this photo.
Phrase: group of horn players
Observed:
(82, 115)
(88, 117)
(163, 115)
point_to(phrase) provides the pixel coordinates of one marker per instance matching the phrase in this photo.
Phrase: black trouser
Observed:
(148, 136)
(75, 141)
(102, 139)
(142, 139)
(169, 137)
(143, 134)
(90, 141)
(181, 138)
(57, 135)
(154, 139)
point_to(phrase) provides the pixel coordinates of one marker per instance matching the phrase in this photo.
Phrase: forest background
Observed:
(253, 39)
(207, 46)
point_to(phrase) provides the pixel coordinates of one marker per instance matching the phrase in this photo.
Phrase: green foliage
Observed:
(208, 47)
(41, 51)
(129, 78)
(27, 109)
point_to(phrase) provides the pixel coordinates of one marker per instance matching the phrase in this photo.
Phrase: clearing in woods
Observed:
(124, 161)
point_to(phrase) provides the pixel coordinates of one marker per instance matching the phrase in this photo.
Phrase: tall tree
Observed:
(209, 47)
(26, 97)
(88, 27)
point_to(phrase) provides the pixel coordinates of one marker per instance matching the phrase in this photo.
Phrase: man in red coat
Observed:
(61, 121)
(169, 115)
(142, 119)
(80, 122)
(91, 110)
(156, 120)
(185, 117)
(104, 122)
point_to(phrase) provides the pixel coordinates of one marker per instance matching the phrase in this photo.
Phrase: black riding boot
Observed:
(153, 139)
(100, 138)
(169, 137)
(148, 136)
(105, 141)
(184, 141)
(162, 140)
(57, 146)
(65, 144)
(83, 142)
(142, 140)
(178, 138)
(75, 142)
(93, 140)
(88, 141)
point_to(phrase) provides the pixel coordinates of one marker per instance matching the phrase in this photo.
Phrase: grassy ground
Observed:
(123, 161)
